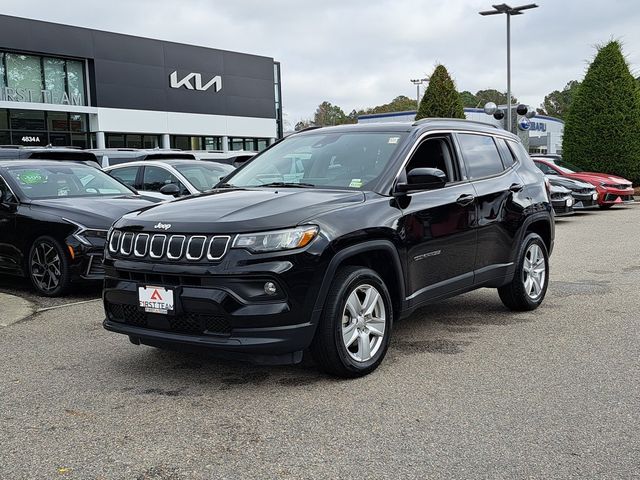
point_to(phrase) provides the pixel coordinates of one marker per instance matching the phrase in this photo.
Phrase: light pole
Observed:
(417, 82)
(508, 11)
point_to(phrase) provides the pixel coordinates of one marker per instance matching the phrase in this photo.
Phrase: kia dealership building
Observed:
(65, 85)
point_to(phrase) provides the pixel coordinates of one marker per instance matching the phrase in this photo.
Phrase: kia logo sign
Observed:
(215, 82)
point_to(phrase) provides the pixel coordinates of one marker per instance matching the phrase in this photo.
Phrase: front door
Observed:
(437, 227)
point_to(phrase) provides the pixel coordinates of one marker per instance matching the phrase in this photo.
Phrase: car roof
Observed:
(160, 162)
(425, 124)
(22, 162)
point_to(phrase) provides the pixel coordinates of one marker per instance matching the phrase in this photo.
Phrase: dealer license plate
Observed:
(156, 299)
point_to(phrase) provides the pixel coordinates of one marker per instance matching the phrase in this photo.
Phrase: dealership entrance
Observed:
(41, 128)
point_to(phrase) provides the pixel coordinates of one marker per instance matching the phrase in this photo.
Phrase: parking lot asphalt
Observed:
(468, 390)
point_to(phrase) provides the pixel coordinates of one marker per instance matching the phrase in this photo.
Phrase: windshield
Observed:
(65, 181)
(352, 160)
(566, 167)
(203, 176)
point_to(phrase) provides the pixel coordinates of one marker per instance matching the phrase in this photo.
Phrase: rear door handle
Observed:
(516, 187)
(465, 199)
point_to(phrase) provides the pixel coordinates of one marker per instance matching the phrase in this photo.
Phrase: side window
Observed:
(126, 175)
(546, 169)
(434, 153)
(519, 151)
(480, 155)
(155, 178)
(508, 157)
(5, 194)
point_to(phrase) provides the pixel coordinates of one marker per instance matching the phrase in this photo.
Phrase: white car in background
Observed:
(170, 178)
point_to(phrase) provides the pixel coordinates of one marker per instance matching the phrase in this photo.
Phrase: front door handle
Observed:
(465, 199)
(516, 187)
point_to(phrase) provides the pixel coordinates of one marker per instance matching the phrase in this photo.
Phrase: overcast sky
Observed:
(362, 53)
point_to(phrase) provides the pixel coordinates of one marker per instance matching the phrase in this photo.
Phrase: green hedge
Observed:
(602, 129)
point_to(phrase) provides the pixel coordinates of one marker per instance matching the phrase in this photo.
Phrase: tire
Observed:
(523, 294)
(353, 289)
(48, 267)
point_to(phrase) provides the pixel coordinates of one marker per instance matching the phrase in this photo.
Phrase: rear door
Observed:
(496, 185)
(437, 226)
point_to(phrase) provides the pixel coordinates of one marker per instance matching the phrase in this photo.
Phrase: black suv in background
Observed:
(325, 239)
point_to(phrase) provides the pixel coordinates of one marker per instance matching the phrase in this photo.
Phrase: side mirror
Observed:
(423, 179)
(170, 189)
(7, 202)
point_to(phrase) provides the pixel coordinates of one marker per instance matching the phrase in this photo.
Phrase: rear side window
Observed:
(480, 155)
(519, 151)
(125, 175)
(508, 157)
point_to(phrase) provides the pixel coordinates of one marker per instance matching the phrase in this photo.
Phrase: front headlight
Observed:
(83, 234)
(277, 240)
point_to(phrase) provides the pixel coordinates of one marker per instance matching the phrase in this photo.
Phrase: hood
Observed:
(559, 189)
(242, 210)
(93, 212)
(597, 178)
(570, 183)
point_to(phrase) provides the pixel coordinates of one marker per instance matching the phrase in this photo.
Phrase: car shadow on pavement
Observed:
(22, 287)
(444, 328)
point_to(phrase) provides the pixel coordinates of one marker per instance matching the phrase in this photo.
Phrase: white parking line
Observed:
(67, 305)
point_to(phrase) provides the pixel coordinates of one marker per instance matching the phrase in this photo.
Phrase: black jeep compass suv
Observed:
(325, 239)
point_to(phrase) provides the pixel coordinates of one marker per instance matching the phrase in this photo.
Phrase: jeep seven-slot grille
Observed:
(168, 247)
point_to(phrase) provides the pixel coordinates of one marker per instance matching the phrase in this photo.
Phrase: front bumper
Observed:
(217, 308)
(611, 196)
(584, 201)
(562, 207)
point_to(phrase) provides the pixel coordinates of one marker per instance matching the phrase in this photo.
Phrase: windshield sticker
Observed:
(292, 177)
(393, 140)
(31, 178)
(355, 183)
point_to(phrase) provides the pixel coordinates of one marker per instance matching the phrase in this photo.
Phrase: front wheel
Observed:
(48, 267)
(529, 285)
(355, 327)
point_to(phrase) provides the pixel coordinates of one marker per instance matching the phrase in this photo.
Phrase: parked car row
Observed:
(587, 189)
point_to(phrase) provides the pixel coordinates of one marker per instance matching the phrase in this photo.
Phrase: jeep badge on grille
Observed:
(162, 226)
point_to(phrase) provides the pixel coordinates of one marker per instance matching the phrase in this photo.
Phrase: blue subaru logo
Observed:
(524, 123)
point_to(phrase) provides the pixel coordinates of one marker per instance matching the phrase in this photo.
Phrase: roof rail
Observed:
(461, 120)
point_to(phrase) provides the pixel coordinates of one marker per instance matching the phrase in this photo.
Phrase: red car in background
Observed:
(612, 190)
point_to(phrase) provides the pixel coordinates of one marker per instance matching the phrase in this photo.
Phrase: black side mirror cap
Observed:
(170, 189)
(422, 179)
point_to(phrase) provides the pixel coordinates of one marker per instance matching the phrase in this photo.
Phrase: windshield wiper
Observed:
(287, 184)
(224, 185)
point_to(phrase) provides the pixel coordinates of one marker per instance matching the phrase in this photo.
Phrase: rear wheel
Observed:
(355, 327)
(529, 285)
(48, 267)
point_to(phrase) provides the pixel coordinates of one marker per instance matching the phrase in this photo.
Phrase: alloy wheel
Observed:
(363, 323)
(46, 267)
(534, 271)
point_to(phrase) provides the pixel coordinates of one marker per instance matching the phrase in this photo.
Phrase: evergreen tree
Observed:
(602, 129)
(441, 99)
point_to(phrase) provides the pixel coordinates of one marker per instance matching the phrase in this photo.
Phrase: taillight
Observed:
(547, 185)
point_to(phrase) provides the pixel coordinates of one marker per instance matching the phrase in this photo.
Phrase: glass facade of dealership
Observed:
(46, 80)
(62, 87)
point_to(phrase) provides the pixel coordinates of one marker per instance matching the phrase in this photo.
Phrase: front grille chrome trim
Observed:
(204, 244)
(182, 239)
(117, 234)
(164, 242)
(137, 252)
(126, 235)
(226, 247)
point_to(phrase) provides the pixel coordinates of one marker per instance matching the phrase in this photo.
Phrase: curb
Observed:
(14, 309)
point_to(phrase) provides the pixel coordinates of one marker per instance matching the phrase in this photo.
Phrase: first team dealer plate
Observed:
(156, 299)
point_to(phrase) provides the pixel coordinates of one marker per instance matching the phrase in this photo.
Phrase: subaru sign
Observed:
(524, 123)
